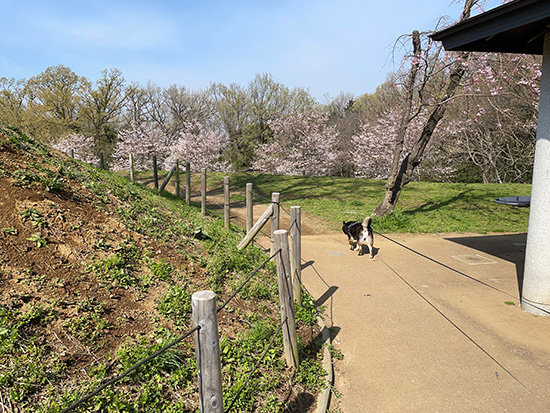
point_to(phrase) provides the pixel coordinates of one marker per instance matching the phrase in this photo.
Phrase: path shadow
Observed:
(508, 247)
(301, 403)
(307, 264)
(365, 250)
(326, 295)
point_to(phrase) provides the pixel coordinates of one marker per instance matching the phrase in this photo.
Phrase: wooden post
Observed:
(256, 228)
(155, 172)
(101, 161)
(275, 198)
(249, 207)
(203, 192)
(207, 344)
(285, 299)
(165, 182)
(296, 252)
(226, 202)
(131, 167)
(72, 153)
(177, 179)
(187, 183)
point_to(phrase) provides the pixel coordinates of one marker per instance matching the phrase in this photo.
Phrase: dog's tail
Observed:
(366, 222)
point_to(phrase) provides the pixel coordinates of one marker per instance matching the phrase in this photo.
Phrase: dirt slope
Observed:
(90, 271)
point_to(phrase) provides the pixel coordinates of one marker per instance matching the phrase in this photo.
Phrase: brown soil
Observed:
(76, 228)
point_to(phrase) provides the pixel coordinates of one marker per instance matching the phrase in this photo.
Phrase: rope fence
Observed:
(197, 328)
(204, 311)
(128, 371)
(256, 366)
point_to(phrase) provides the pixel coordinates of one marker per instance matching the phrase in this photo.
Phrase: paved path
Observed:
(424, 326)
(434, 339)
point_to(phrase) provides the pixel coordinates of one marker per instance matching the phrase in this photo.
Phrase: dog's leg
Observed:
(360, 247)
(371, 252)
(350, 241)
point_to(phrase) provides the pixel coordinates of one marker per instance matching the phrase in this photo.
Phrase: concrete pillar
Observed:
(536, 279)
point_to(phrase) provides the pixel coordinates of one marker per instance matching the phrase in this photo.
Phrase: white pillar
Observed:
(536, 279)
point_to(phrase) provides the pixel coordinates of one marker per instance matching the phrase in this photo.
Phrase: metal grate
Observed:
(474, 259)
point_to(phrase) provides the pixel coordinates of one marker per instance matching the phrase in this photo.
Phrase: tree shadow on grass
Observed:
(433, 206)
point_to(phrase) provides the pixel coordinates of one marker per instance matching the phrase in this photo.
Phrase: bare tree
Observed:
(404, 164)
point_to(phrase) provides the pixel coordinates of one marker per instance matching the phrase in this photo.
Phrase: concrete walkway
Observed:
(419, 335)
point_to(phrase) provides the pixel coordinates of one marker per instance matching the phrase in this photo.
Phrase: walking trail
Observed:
(432, 323)
(441, 331)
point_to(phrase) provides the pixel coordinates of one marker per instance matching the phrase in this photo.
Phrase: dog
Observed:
(359, 233)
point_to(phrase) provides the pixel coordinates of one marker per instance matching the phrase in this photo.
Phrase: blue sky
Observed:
(325, 46)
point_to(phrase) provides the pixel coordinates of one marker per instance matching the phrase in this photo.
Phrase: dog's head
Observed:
(345, 227)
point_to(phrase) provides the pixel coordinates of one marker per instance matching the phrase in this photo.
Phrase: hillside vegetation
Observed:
(96, 273)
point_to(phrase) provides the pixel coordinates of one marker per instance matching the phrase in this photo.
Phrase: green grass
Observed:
(424, 207)
(36, 378)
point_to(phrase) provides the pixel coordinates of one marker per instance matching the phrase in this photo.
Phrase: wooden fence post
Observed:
(167, 179)
(207, 344)
(131, 167)
(155, 172)
(101, 161)
(285, 299)
(188, 183)
(203, 191)
(255, 228)
(177, 179)
(275, 199)
(226, 202)
(249, 207)
(296, 252)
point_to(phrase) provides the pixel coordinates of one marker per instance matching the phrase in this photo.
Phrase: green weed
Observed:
(162, 270)
(306, 311)
(39, 239)
(176, 305)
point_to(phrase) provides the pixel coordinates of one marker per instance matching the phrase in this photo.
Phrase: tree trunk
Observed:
(402, 173)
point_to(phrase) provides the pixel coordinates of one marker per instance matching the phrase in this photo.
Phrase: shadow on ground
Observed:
(508, 247)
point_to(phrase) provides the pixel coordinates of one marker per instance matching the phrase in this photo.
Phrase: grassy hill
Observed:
(96, 273)
(425, 207)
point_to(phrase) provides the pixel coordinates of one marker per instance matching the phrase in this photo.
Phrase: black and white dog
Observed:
(359, 234)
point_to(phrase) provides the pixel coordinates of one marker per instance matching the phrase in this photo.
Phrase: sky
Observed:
(325, 46)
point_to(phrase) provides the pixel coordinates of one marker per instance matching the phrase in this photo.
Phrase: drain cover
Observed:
(337, 253)
(474, 259)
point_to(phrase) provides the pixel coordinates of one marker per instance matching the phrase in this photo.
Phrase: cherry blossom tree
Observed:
(200, 146)
(143, 141)
(302, 144)
(80, 146)
(495, 120)
(373, 146)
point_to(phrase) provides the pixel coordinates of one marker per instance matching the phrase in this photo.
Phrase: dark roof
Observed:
(515, 27)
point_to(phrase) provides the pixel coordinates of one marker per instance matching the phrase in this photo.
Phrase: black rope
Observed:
(256, 365)
(247, 280)
(460, 272)
(454, 325)
(124, 374)
(284, 209)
